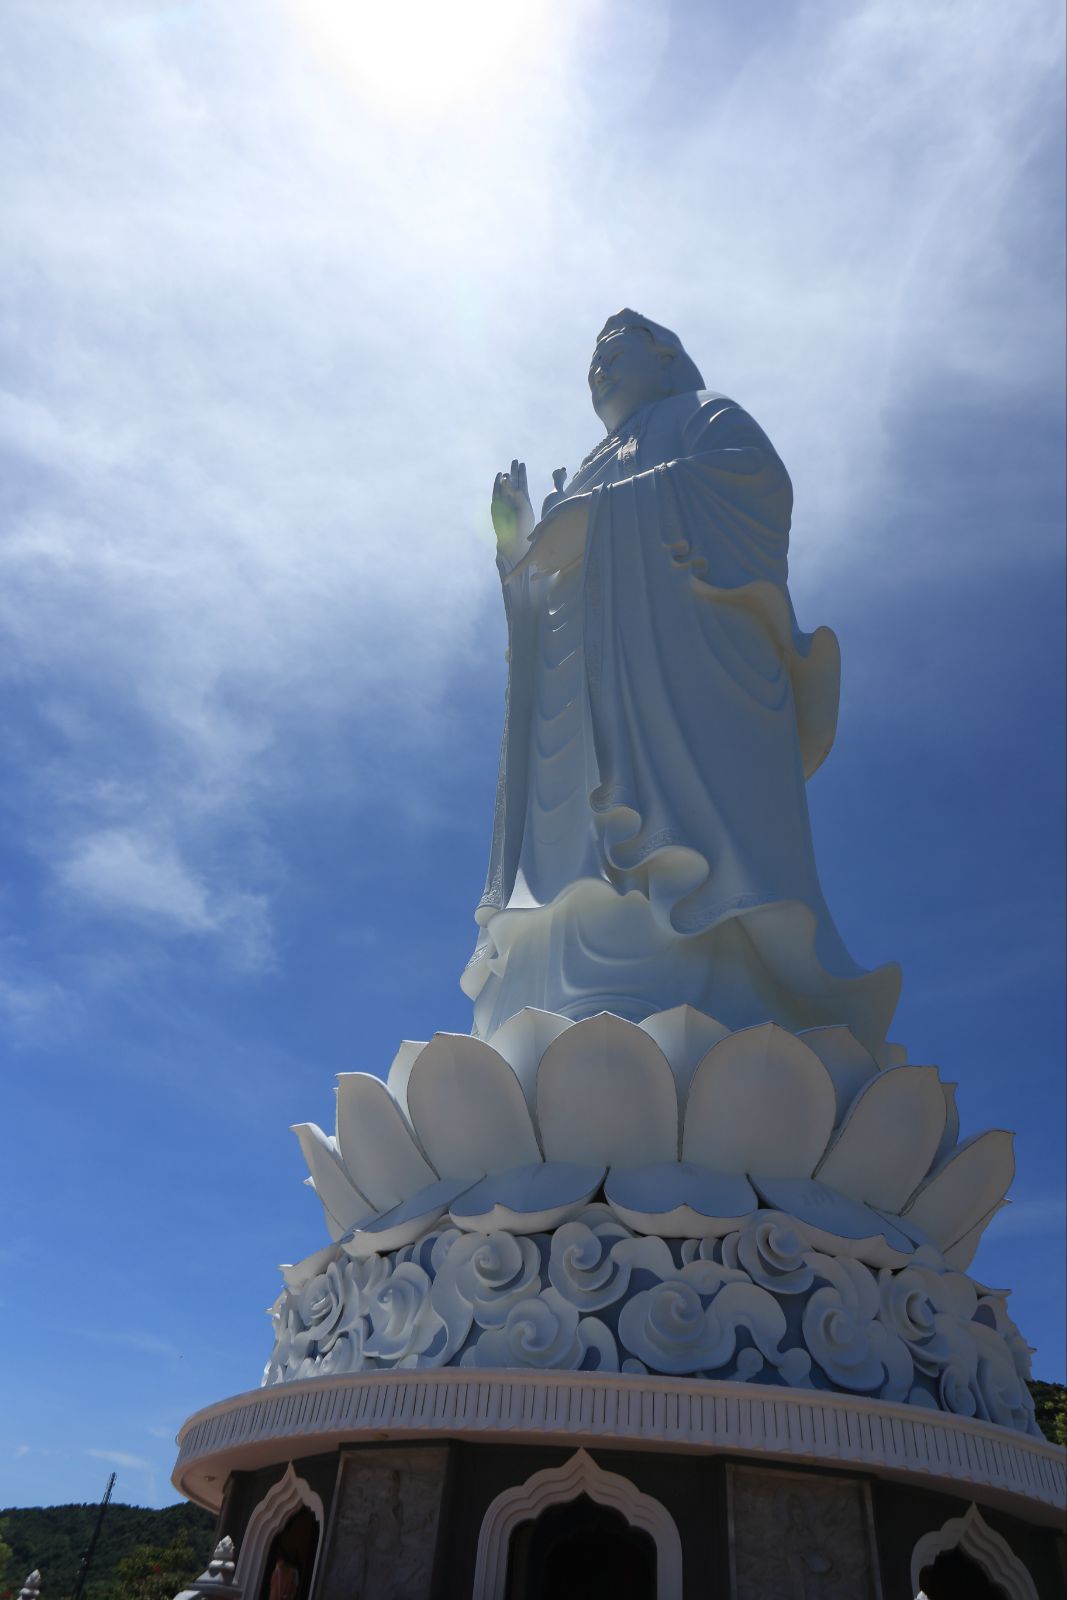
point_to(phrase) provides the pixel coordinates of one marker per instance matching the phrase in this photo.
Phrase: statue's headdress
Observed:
(685, 374)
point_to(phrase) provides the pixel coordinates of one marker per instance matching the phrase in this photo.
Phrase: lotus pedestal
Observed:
(662, 1308)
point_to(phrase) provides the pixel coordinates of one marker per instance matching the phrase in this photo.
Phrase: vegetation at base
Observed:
(1050, 1406)
(156, 1571)
(134, 1542)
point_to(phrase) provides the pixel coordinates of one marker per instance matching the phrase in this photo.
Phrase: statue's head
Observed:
(637, 361)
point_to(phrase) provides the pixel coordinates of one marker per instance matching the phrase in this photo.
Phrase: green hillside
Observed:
(54, 1538)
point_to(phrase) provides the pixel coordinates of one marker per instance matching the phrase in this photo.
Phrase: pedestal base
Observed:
(429, 1486)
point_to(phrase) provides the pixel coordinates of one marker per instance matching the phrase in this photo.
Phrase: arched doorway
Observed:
(581, 1551)
(291, 1559)
(258, 1550)
(954, 1576)
(966, 1559)
(517, 1511)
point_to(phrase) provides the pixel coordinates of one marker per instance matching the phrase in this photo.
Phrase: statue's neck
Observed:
(633, 426)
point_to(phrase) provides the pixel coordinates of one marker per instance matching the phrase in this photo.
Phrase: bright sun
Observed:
(416, 56)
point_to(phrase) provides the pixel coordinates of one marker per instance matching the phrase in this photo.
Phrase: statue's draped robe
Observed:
(651, 843)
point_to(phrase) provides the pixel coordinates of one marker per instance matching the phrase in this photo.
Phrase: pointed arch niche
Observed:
(555, 1486)
(973, 1536)
(289, 1495)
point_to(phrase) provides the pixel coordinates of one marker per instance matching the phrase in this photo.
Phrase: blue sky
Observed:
(288, 281)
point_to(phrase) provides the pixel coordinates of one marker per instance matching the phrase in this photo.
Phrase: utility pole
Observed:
(83, 1570)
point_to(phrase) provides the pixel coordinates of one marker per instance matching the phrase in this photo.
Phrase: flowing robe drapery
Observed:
(651, 843)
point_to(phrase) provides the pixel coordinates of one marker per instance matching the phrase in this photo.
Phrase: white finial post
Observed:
(218, 1578)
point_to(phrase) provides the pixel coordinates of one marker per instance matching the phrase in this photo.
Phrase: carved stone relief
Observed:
(759, 1304)
(797, 1536)
(384, 1526)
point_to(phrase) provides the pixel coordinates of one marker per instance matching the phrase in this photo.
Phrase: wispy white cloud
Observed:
(1032, 1216)
(123, 871)
(129, 1462)
(273, 333)
(145, 1343)
(27, 1001)
(121, 1458)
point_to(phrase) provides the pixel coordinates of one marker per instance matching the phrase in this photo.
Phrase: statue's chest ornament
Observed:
(615, 447)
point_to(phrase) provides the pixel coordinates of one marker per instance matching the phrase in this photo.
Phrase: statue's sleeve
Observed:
(720, 512)
(512, 777)
(728, 498)
(722, 501)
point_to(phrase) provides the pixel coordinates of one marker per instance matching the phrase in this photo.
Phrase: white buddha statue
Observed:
(651, 843)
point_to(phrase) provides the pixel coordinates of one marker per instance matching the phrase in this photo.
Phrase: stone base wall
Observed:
(410, 1521)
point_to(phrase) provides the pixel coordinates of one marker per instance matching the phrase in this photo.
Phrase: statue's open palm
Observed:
(513, 515)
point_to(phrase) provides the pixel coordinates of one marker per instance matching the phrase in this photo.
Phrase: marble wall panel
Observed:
(800, 1536)
(383, 1533)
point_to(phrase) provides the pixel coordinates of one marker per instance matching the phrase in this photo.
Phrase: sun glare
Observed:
(422, 56)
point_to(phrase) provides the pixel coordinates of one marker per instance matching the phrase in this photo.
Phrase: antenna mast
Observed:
(83, 1570)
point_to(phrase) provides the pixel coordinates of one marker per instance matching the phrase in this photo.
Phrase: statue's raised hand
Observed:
(559, 538)
(513, 516)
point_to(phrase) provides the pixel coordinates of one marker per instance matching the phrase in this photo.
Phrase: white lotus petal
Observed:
(917, 1236)
(675, 1199)
(605, 1094)
(523, 1039)
(838, 1225)
(468, 1110)
(376, 1143)
(396, 1079)
(344, 1205)
(888, 1138)
(685, 1036)
(960, 1255)
(951, 1135)
(295, 1274)
(760, 1101)
(896, 1055)
(966, 1188)
(845, 1059)
(531, 1199)
(406, 1222)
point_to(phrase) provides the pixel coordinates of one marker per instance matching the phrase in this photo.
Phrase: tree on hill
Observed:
(156, 1572)
(1050, 1409)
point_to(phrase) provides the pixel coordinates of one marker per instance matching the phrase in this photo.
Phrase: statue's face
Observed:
(626, 372)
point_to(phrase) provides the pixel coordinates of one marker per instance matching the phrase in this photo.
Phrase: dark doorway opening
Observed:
(581, 1551)
(954, 1576)
(291, 1559)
